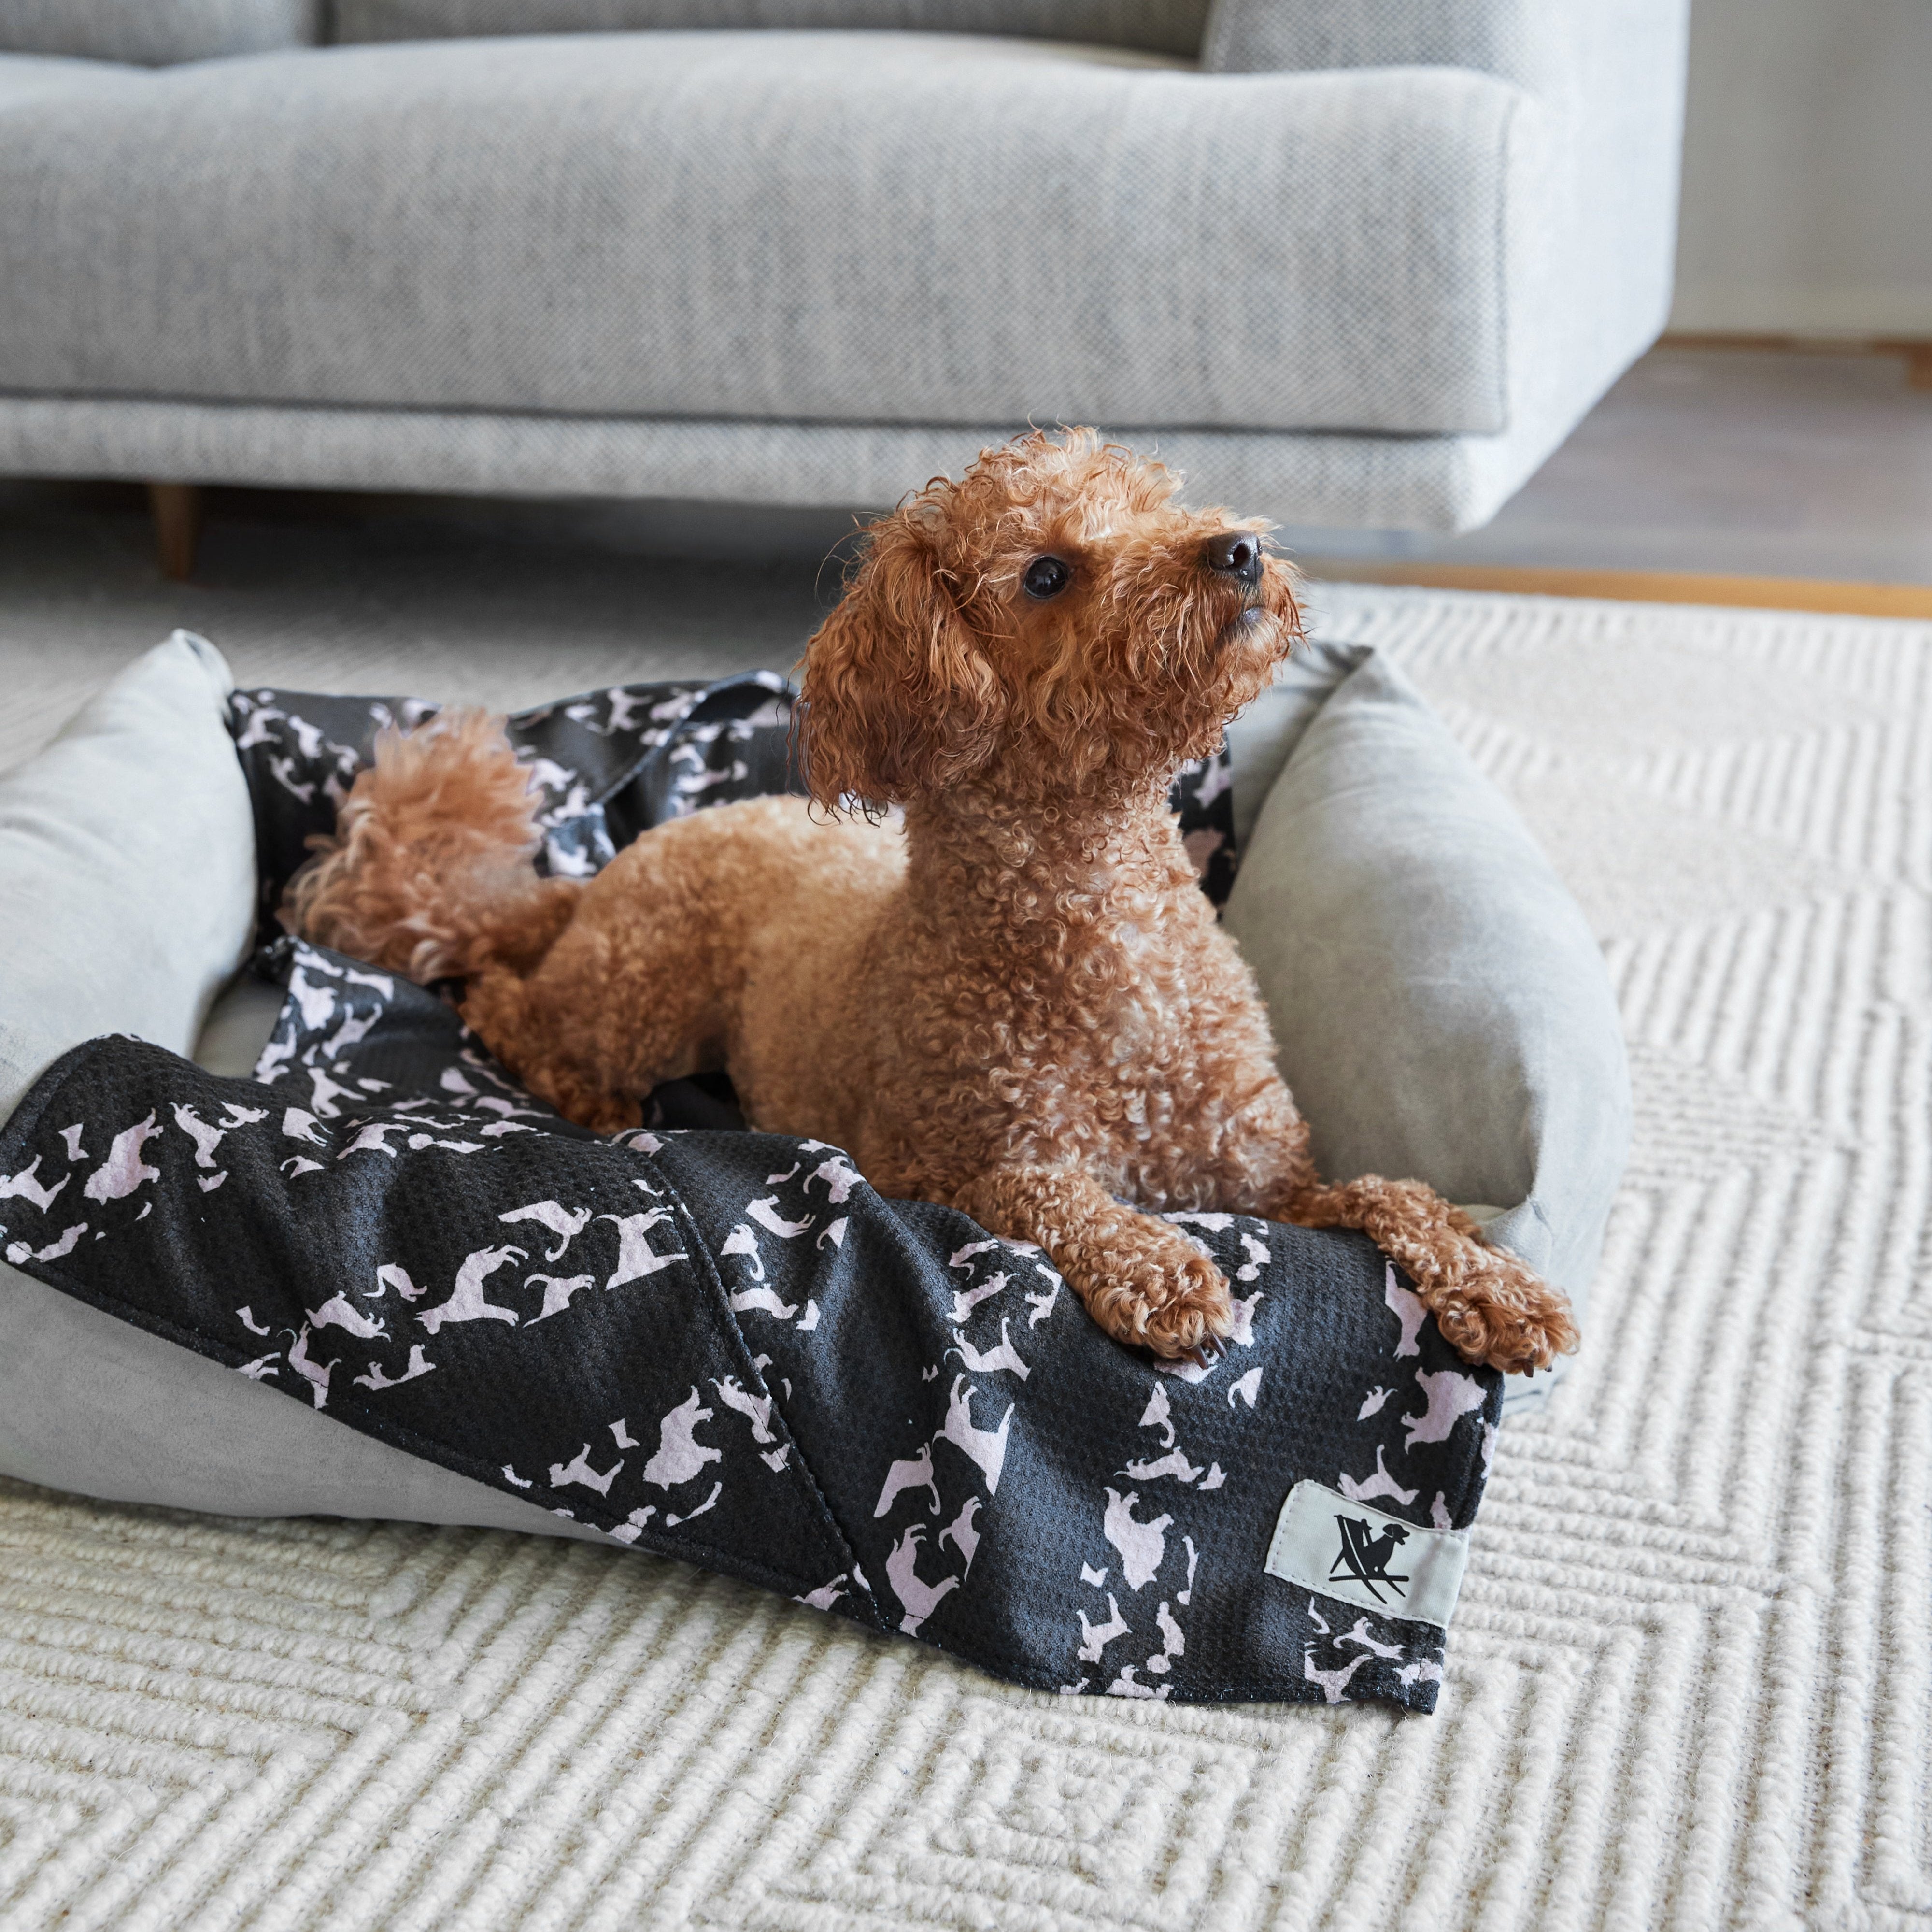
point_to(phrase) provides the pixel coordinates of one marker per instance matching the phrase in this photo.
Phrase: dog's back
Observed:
(782, 913)
(741, 930)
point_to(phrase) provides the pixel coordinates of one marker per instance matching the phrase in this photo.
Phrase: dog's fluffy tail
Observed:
(429, 872)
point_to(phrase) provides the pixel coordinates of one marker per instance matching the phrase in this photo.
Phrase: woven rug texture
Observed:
(1691, 1678)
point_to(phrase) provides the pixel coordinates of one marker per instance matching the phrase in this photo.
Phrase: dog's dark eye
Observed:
(1045, 577)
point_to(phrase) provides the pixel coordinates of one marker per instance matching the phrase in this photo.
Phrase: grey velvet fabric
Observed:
(1440, 1005)
(1265, 736)
(126, 868)
(239, 1024)
(155, 33)
(1161, 26)
(850, 228)
(91, 1404)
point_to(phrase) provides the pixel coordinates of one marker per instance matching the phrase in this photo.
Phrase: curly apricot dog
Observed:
(1018, 1001)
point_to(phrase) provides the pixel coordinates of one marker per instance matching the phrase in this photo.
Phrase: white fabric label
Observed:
(1348, 1551)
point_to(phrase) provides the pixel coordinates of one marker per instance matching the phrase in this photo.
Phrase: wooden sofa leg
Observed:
(176, 508)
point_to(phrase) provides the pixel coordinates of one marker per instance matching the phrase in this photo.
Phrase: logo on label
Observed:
(1365, 1556)
(1336, 1546)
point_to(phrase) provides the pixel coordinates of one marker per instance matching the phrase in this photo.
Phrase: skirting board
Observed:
(1638, 587)
(1914, 351)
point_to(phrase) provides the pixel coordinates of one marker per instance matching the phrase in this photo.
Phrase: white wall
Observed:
(1807, 168)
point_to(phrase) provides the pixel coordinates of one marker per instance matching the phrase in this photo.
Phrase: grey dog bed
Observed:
(933, 1440)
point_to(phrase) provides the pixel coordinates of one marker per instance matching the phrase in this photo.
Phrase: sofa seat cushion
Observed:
(830, 227)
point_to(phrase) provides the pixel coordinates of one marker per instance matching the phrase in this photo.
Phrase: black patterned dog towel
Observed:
(724, 1346)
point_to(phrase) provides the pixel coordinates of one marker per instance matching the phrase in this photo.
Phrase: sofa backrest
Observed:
(1157, 26)
(156, 33)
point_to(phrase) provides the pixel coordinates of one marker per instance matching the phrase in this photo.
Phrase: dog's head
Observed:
(1053, 621)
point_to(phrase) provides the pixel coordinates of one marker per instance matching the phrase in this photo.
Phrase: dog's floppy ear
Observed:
(898, 698)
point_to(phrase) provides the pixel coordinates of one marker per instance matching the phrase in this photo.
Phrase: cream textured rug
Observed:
(1691, 1681)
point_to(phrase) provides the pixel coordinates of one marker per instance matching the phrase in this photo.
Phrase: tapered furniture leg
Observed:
(176, 508)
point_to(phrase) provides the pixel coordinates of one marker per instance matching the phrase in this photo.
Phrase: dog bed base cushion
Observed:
(96, 1405)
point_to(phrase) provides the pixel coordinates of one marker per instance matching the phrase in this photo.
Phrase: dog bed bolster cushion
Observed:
(714, 1344)
(1441, 1006)
(127, 867)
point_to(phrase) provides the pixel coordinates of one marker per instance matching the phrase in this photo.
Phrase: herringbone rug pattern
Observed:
(1691, 1684)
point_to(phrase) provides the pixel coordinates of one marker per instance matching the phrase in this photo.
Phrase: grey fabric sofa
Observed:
(1346, 261)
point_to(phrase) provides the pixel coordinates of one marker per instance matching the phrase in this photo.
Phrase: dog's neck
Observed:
(986, 863)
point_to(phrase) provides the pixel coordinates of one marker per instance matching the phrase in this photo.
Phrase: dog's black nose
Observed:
(1236, 554)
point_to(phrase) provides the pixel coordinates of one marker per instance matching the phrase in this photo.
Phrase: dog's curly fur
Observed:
(1017, 1000)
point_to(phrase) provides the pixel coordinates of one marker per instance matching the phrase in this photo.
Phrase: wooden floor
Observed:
(1732, 472)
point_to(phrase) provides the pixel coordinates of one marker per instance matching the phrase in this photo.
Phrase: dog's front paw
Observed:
(1496, 1311)
(1175, 1304)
